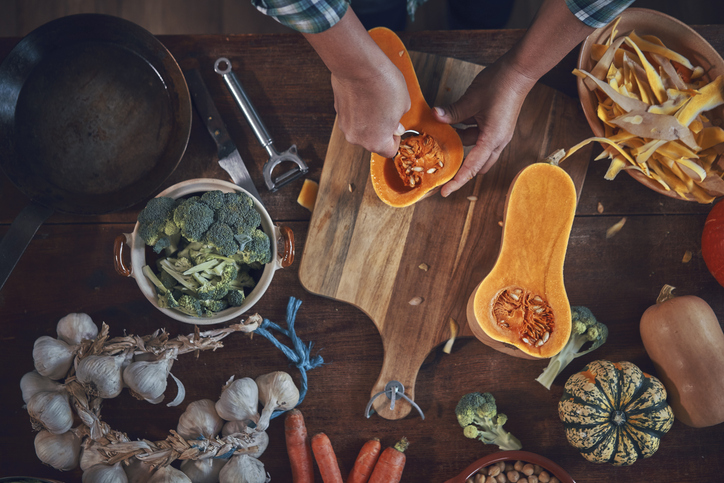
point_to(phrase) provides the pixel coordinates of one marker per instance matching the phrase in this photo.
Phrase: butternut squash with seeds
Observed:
(521, 307)
(425, 162)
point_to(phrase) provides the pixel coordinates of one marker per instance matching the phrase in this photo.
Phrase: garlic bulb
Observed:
(89, 455)
(52, 357)
(200, 420)
(239, 400)
(61, 451)
(148, 378)
(139, 471)
(203, 471)
(74, 328)
(101, 375)
(276, 391)
(232, 427)
(33, 383)
(243, 469)
(169, 474)
(51, 409)
(105, 474)
(249, 437)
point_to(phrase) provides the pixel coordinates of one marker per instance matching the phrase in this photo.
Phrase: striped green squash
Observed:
(614, 413)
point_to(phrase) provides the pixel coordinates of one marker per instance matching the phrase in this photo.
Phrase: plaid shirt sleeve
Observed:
(306, 16)
(597, 13)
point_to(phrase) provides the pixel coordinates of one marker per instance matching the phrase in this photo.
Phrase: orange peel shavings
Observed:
(657, 114)
(308, 194)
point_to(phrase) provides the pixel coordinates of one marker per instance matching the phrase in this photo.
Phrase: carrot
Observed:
(391, 463)
(326, 459)
(365, 462)
(298, 447)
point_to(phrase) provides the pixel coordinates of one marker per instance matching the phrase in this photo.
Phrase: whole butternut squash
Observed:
(683, 338)
(521, 307)
(425, 162)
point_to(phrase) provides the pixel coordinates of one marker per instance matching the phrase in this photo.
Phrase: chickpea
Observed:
(479, 478)
(544, 477)
(532, 479)
(518, 465)
(554, 480)
(528, 469)
(501, 478)
(490, 479)
(509, 467)
(513, 476)
(493, 470)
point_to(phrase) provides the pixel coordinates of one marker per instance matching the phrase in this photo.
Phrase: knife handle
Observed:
(208, 112)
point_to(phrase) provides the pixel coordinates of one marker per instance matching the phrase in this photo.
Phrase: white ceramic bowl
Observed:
(677, 36)
(282, 248)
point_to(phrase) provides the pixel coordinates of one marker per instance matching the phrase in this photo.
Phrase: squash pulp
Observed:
(521, 307)
(391, 186)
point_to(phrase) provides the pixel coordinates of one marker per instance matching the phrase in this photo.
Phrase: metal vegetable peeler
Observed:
(394, 390)
(222, 66)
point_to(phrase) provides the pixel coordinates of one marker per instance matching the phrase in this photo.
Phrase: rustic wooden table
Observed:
(68, 267)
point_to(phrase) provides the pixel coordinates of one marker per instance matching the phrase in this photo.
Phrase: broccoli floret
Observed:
(478, 414)
(585, 329)
(190, 305)
(239, 212)
(214, 305)
(193, 218)
(214, 199)
(167, 301)
(243, 279)
(155, 223)
(221, 237)
(235, 298)
(257, 249)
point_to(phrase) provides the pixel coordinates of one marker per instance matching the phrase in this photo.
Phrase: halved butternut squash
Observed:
(440, 162)
(521, 307)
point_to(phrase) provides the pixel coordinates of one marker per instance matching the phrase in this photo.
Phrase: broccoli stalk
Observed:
(478, 414)
(585, 329)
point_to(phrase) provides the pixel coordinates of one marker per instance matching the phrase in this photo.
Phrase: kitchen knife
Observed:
(229, 157)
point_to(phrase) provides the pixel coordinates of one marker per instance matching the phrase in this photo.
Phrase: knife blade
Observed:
(229, 157)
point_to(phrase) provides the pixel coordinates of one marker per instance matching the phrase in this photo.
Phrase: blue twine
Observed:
(298, 354)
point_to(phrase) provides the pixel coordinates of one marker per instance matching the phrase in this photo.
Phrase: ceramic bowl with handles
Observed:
(281, 240)
(549, 466)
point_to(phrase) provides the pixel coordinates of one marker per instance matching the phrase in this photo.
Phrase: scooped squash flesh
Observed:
(441, 162)
(521, 307)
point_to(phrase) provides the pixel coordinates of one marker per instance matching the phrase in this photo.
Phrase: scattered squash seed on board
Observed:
(687, 256)
(599, 208)
(308, 195)
(424, 267)
(615, 228)
(454, 329)
(416, 300)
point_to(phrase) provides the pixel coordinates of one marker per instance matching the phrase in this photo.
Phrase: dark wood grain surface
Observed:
(68, 267)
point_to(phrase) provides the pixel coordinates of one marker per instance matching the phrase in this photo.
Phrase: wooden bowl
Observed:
(677, 36)
(512, 456)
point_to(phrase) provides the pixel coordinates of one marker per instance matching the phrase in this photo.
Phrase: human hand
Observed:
(491, 105)
(369, 109)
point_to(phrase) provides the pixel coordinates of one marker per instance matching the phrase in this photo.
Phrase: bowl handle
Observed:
(118, 245)
(285, 245)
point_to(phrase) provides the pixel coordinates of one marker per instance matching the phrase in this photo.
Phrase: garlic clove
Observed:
(276, 391)
(74, 328)
(61, 451)
(51, 410)
(33, 383)
(200, 420)
(169, 474)
(52, 357)
(239, 400)
(203, 471)
(102, 473)
(148, 379)
(101, 375)
(243, 469)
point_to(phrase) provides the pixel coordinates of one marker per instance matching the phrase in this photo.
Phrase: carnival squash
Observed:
(428, 161)
(683, 338)
(614, 413)
(712, 242)
(521, 307)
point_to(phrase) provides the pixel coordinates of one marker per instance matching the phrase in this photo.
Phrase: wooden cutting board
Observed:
(365, 253)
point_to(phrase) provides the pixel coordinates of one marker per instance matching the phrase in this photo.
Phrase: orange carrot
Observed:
(326, 459)
(365, 462)
(298, 447)
(391, 463)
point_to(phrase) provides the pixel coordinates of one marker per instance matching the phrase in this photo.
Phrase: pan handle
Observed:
(285, 245)
(118, 245)
(18, 237)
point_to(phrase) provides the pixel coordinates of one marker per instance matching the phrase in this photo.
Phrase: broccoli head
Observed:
(256, 249)
(478, 414)
(214, 199)
(193, 218)
(155, 223)
(239, 212)
(221, 237)
(235, 298)
(585, 328)
(190, 306)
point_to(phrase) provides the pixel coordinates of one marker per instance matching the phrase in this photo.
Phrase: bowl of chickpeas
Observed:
(513, 467)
